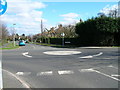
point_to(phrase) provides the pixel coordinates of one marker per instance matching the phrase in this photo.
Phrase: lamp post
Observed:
(63, 34)
(14, 35)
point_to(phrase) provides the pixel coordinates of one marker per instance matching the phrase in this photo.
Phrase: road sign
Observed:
(3, 6)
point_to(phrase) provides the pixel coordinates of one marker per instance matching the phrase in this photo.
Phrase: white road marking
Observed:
(1, 79)
(91, 56)
(112, 66)
(86, 70)
(85, 57)
(106, 75)
(61, 52)
(98, 54)
(23, 73)
(26, 85)
(115, 75)
(65, 72)
(26, 54)
(93, 70)
(45, 73)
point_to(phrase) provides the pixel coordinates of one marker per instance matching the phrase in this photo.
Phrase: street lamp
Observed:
(14, 35)
(63, 34)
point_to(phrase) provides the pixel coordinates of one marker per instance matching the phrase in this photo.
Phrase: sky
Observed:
(26, 15)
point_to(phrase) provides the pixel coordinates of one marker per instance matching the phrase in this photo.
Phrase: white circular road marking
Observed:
(62, 52)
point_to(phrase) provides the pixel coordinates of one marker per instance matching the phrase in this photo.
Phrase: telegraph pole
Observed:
(41, 30)
(119, 9)
(41, 26)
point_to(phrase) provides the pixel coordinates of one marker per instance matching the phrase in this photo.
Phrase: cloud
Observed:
(25, 13)
(70, 15)
(70, 18)
(107, 9)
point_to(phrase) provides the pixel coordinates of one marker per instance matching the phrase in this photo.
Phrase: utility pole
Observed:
(41, 26)
(41, 30)
(119, 9)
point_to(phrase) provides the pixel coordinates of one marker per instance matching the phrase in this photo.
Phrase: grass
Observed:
(10, 46)
(0, 43)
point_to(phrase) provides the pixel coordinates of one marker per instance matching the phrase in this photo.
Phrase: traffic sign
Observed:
(3, 6)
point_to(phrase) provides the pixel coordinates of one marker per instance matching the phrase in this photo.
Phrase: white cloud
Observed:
(107, 9)
(70, 15)
(25, 13)
(70, 18)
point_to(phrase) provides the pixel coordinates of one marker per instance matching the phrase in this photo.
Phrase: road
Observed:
(38, 66)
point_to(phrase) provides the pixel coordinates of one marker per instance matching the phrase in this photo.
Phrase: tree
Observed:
(3, 31)
(97, 31)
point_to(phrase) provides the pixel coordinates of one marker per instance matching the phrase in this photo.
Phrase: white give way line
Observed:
(91, 56)
(26, 54)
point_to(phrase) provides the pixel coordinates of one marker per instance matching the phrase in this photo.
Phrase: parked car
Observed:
(22, 43)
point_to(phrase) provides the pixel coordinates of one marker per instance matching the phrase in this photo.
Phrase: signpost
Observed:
(63, 34)
(3, 7)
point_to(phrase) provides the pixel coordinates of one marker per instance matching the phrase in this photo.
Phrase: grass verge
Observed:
(9, 46)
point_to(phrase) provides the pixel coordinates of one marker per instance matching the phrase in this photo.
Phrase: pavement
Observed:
(31, 66)
(10, 81)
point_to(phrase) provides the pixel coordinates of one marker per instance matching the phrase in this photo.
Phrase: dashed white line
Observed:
(65, 72)
(26, 54)
(23, 73)
(86, 70)
(45, 73)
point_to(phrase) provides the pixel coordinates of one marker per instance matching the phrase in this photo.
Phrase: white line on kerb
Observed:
(65, 72)
(1, 79)
(26, 54)
(26, 85)
(91, 56)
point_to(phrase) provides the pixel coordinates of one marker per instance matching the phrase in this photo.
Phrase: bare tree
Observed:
(3, 31)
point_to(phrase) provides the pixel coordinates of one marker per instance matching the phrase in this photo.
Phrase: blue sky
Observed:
(84, 9)
(27, 14)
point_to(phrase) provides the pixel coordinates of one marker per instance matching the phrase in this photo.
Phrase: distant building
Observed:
(119, 9)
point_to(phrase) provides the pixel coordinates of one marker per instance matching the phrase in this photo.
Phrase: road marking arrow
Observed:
(26, 54)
